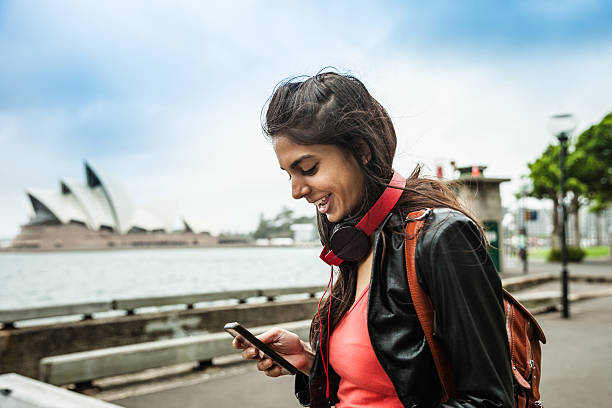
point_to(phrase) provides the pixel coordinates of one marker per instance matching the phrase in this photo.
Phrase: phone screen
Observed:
(236, 330)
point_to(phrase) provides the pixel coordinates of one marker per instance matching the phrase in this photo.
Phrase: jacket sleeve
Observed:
(301, 388)
(459, 276)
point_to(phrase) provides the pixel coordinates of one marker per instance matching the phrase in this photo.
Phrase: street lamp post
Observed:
(562, 127)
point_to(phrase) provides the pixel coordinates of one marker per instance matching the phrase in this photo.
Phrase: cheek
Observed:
(354, 191)
(357, 196)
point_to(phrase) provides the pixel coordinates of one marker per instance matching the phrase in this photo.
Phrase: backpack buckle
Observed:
(420, 217)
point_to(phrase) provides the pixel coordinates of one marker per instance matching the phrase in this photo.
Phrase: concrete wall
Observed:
(21, 349)
(483, 198)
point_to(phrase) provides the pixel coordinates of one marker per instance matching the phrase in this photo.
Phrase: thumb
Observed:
(271, 336)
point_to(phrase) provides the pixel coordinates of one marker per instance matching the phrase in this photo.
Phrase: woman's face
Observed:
(324, 175)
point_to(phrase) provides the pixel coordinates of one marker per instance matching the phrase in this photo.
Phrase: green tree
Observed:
(594, 165)
(545, 176)
(594, 160)
(280, 224)
(588, 174)
(264, 228)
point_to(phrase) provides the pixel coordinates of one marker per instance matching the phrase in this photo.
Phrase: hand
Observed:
(287, 344)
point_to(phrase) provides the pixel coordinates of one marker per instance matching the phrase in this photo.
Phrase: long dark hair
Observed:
(336, 109)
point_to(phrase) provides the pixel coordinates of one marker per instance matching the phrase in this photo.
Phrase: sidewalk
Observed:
(577, 359)
(598, 266)
(576, 363)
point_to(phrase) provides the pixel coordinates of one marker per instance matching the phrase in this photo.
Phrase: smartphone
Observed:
(236, 330)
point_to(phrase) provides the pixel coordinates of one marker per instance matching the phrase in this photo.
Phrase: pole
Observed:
(564, 273)
(523, 232)
(523, 246)
(525, 269)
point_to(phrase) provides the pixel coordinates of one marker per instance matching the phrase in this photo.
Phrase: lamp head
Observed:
(562, 126)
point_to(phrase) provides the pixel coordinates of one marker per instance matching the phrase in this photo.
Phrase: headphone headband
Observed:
(375, 215)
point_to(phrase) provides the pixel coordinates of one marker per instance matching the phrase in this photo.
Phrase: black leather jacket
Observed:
(454, 269)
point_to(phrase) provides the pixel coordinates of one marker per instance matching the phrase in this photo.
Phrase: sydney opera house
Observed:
(98, 214)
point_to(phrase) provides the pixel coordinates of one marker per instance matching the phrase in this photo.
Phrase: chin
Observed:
(333, 218)
(330, 218)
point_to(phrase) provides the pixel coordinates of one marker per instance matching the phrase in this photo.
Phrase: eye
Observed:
(311, 170)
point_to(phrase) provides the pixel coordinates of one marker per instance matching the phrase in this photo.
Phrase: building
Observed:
(99, 214)
(304, 233)
(481, 195)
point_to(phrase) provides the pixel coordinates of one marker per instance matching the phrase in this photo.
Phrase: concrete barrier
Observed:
(525, 281)
(9, 316)
(22, 348)
(521, 282)
(550, 300)
(131, 304)
(90, 365)
(272, 294)
(537, 299)
(17, 391)
(190, 300)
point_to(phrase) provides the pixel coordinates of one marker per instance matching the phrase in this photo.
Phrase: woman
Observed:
(337, 143)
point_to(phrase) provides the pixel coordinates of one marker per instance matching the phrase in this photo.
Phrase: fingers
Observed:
(248, 352)
(251, 353)
(278, 339)
(238, 344)
(269, 367)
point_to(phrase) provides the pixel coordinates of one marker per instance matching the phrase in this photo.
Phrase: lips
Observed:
(322, 204)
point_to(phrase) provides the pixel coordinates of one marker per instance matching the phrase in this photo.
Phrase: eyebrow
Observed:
(299, 160)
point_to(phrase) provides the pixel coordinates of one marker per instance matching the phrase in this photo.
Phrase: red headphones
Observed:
(352, 243)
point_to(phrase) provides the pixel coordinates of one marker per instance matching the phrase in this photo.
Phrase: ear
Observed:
(365, 154)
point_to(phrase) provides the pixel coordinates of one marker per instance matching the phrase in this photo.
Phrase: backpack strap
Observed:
(422, 303)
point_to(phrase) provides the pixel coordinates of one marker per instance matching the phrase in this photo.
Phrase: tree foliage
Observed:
(280, 224)
(588, 171)
(593, 159)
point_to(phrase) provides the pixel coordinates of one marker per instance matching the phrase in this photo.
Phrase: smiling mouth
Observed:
(322, 204)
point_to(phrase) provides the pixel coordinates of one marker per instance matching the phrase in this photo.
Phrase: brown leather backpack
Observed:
(524, 332)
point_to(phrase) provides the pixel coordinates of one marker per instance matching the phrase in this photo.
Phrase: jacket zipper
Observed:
(508, 310)
(531, 363)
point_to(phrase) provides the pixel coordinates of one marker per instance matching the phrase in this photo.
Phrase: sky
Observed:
(166, 96)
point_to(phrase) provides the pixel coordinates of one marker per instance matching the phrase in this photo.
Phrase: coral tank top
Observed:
(363, 381)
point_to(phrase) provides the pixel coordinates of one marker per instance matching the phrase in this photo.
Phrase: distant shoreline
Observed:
(11, 250)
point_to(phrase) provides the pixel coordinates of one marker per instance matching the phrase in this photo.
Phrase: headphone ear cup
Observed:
(349, 243)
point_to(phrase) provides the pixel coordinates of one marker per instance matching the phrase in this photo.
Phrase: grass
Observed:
(601, 251)
(597, 251)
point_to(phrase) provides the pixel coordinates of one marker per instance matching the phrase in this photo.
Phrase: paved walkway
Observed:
(577, 364)
(514, 267)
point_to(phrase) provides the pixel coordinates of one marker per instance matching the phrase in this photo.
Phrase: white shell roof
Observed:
(143, 219)
(194, 224)
(63, 206)
(164, 212)
(116, 197)
(102, 201)
(93, 204)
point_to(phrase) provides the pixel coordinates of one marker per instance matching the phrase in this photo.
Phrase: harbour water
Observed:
(38, 279)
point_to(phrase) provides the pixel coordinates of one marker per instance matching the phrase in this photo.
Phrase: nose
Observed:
(299, 189)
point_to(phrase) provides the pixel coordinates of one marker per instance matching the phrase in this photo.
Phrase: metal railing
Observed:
(8, 317)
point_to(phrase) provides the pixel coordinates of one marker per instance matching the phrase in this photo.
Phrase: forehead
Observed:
(287, 152)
